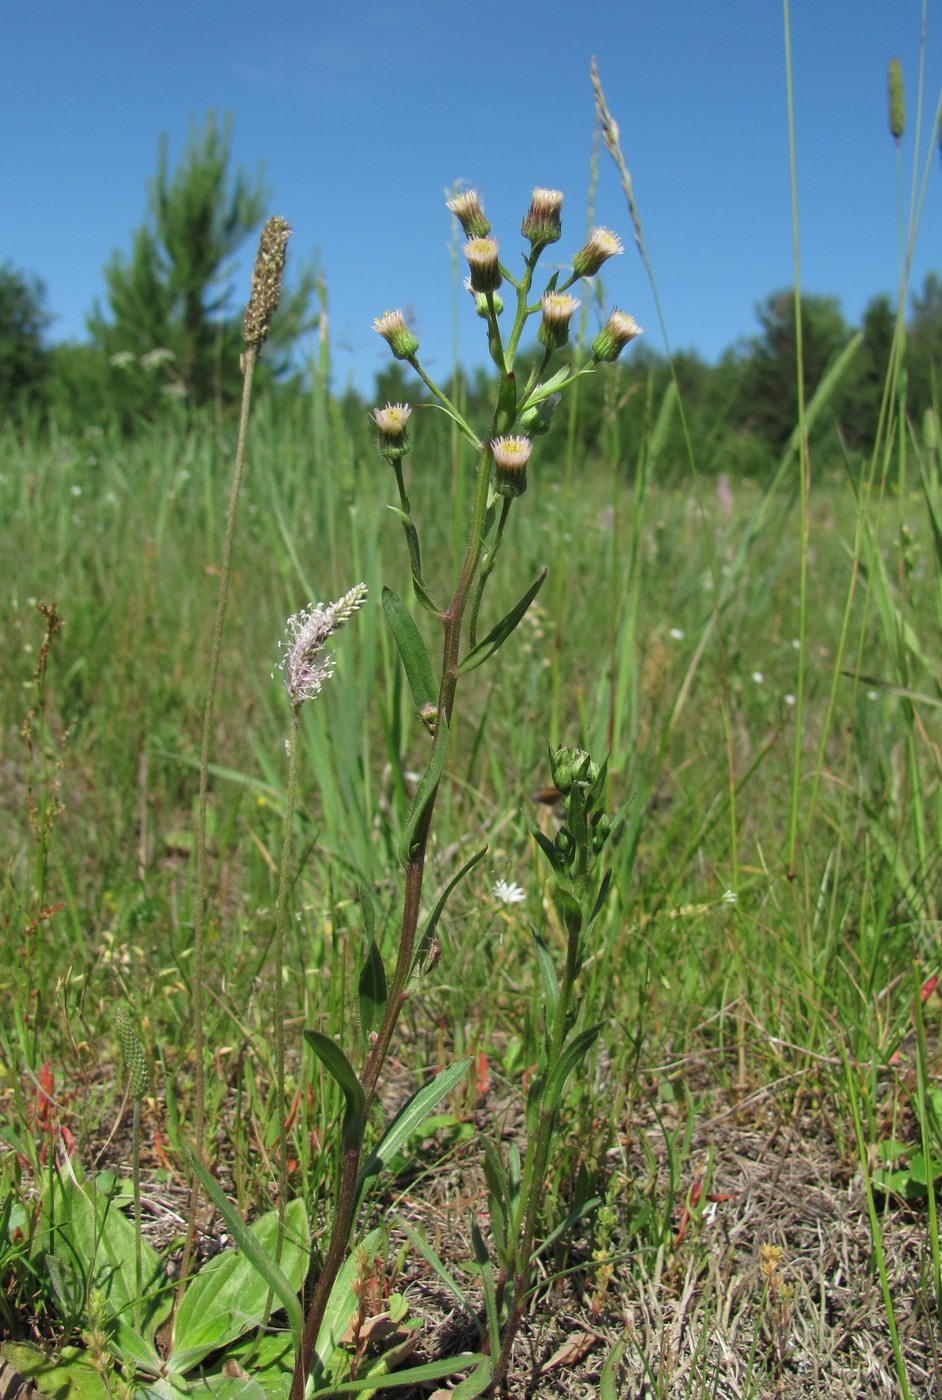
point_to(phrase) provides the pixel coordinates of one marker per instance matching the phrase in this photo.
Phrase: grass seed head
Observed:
(897, 100)
(133, 1052)
(267, 277)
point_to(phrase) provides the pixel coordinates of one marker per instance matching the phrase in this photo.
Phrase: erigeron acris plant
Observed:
(505, 452)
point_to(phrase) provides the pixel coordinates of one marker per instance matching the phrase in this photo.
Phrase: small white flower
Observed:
(873, 695)
(758, 677)
(75, 490)
(730, 897)
(677, 633)
(509, 893)
(306, 665)
(790, 699)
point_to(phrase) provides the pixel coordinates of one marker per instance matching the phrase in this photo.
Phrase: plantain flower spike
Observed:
(542, 224)
(897, 100)
(133, 1052)
(397, 335)
(466, 208)
(306, 665)
(267, 277)
(619, 329)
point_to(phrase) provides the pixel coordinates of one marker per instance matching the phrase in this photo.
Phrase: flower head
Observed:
(391, 423)
(536, 420)
(397, 335)
(511, 455)
(483, 262)
(602, 244)
(542, 224)
(266, 281)
(508, 892)
(306, 665)
(611, 340)
(558, 311)
(482, 304)
(466, 208)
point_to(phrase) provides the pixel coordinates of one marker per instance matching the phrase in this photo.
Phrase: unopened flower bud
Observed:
(481, 304)
(535, 421)
(484, 264)
(897, 101)
(558, 311)
(602, 245)
(569, 765)
(397, 335)
(391, 424)
(266, 281)
(542, 224)
(611, 340)
(133, 1052)
(511, 455)
(466, 208)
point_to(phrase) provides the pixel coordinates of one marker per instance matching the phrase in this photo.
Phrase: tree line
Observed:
(168, 341)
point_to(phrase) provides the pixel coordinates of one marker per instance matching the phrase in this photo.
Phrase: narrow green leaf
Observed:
(412, 650)
(371, 992)
(415, 1375)
(507, 400)
(250, 1246)
(369, 913)
(421, 1244)
(610, 1370)
(431, 923)
(502, 631)
(425, 792)
(574, 1053)
(543, 841)
(228, 1296)
(547, 977)
(410, 1117)
(341, 1070)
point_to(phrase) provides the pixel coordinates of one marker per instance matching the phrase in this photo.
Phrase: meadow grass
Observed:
(759, 660)
(801, 988)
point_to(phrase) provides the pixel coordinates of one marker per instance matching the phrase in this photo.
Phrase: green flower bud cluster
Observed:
(132, 1050)
(586, 826)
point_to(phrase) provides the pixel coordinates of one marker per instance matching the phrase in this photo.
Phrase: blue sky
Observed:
(365, 111)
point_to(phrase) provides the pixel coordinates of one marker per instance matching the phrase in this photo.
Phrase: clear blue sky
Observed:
(363, 111)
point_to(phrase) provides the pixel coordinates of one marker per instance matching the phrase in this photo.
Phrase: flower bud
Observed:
(535, 421)
(611, 340)
(602, 245)
(511, 455)
(558, 311)
(466, 208)
(266, 281)
(569, 765)
(481, 304)
(483, 262)
(543, 224)
(391, 425)
(897, 101)
(397, 335)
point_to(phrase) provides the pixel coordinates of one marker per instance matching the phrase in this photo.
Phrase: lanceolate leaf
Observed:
(431, 923)
(428, 784)
(502, 631)
(574, 1053)
(341, 1070)
(547, 977)
(371, 992)
(250, 1246)
(410, 1117)
(415, 659)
